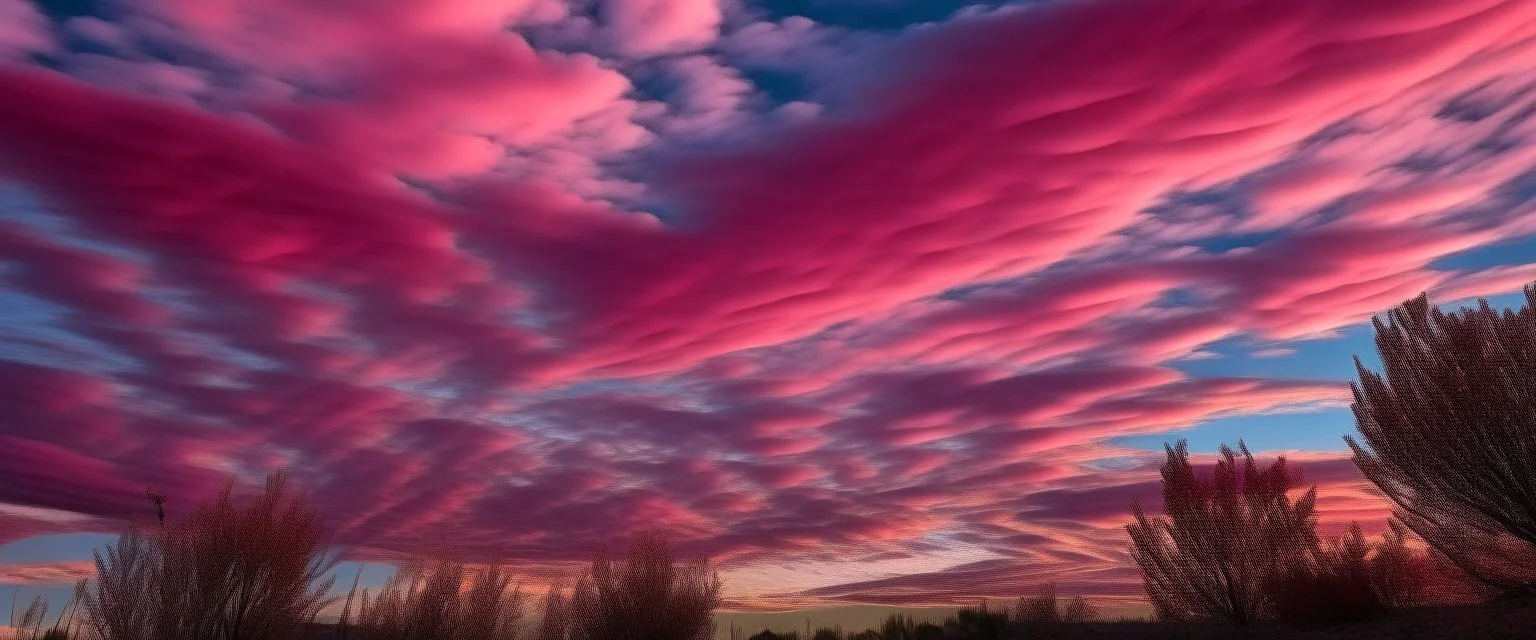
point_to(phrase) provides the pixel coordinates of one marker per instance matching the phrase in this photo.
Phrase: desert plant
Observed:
(1040, 608)
(978, 623)
(929, 631)
(898, 627)
(226, 572)
(64, 627)
(1334, 586)
(1078, 611)
(827, 633)
(1351, 579)
(124, 605)
(650, 597)
(1398, 575)
(1222, 538)
(32, 620)
(30, 627)
(1449, 434)
(428, 600)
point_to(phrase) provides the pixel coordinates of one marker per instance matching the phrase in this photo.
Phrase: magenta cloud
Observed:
(466, 282)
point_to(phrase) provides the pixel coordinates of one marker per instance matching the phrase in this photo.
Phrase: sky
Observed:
(879, 302)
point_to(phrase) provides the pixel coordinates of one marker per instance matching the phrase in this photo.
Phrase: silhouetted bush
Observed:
(1398, 575)
(826, 633)
(1334, 587)
(1078, 611)
(1350, 580)
(978, 623)
(1450, 434)
(428, 601)
(225, 572)
(929, 631)
(1040, 608)
(898, 627)
(650, 597)
(1223, 539)
(1044, 610)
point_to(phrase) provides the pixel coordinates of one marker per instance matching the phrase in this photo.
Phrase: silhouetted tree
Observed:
(1221, 538)
(651, 597)
(1450, 434)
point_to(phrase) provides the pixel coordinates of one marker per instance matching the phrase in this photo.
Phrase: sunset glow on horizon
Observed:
(873, 303)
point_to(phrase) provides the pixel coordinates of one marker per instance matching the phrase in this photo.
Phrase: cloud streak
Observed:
(475, 269)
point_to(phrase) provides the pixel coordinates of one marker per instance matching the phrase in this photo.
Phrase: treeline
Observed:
(1030, 617)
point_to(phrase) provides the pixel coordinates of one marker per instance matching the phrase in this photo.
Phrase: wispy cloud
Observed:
(531, 274)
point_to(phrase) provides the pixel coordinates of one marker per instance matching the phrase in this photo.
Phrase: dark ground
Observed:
(1490, 622)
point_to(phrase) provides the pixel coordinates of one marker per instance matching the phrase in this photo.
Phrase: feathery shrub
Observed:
(1449, 434)
(650, 597)
(429, 600)
(225, 572)
(1223, 539)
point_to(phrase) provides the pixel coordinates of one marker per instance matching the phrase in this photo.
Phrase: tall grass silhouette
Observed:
(30, 626)
(438, 599)
(1449, 434)
(225, 572)
(649, 597)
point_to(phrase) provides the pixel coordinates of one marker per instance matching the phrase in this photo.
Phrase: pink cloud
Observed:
(1286, 194)
(24, 30)
(289, 35)
(146, 77)
(914, 313)
(46, 573)
(20, 523)
(641, 28)
(1481, 284)
(91, 282)
(98, 31)
(450, 112)
(945, 218)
